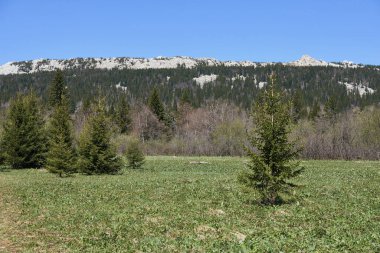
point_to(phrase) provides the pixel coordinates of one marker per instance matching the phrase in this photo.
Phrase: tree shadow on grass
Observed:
(4, 168)
(280, 201)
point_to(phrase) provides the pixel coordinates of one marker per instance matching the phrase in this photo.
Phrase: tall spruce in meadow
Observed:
(96, 154)
(57, 89)
(61, 157)
(122, 116)
(273, 166)
(24, 139)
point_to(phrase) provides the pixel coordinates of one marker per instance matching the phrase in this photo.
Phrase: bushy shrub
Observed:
(134, 155)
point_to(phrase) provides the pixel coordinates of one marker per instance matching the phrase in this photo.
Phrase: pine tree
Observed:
(134, 155)
(57, 89)
(185, 97)
(184, 108)
(96, 154)
(61, 157)
(155, 105)
(121, 115)
(273, 165)
(298, 110)
(331, 108)
(24, 138)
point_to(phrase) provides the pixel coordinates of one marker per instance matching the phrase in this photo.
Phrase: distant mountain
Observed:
(204, 80)
(39, 65)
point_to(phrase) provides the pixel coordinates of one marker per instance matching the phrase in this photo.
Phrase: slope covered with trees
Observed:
(237, 85)
(204, 110)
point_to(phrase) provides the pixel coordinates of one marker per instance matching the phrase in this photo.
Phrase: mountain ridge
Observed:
(160, 62)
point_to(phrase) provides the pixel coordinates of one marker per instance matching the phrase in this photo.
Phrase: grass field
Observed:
(175, 206)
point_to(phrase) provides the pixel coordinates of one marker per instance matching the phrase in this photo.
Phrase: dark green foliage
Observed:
(122, 116)
(331, 107)
(273, 166)
(57, 89)
(96, 155)
(298, 107)
(134, 155)
(86, 106)
(155, 105)
(2, 159)
(61, 157)
(314, 111)
(185, 98)
(24, 138)
(315, 82)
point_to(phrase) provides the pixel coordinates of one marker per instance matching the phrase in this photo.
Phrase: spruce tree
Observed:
(273, 166)
(57, 89)
(185, 97)
(184, 108)
(122, 117)
(134, 155)
(96, 154)
(331, 108)
(298, 110)
(155, 105)
(61, 157)
(24, 137)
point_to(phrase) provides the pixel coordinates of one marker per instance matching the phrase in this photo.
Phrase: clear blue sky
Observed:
(331, 30)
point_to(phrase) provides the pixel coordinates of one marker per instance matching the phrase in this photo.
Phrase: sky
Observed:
(270, 30)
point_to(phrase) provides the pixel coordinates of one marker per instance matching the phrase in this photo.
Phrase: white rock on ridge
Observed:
(238, 77)
(10, 68)
(119, 86)
(202, 79)
(146, 63)
(307, 60)
(262, 84)
(361, 88)
(350, 64)
(112, 63)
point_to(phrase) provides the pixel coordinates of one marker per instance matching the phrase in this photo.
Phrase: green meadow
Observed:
(174, 205)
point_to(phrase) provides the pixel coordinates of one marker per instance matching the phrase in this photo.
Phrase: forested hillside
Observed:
(204, 83)
(204, 107)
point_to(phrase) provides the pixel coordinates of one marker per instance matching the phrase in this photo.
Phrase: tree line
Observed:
(32, 138)
(158, 128)
(313, 86)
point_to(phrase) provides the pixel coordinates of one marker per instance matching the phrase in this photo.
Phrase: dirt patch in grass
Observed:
(239, 236)
(204, 231)
(216, 212)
